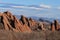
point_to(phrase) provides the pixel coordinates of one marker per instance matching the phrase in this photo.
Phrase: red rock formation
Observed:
(29, 22)
(56, 24)
(32, 23)
(21, 27)
(10, 22)
(24, 20)
(41, 25)
(8, 15)
(59, 27)
(52, 27)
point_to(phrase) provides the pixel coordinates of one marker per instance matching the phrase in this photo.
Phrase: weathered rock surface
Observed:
(52, 27)
(10, 22)
(32, 24)
(55, 25)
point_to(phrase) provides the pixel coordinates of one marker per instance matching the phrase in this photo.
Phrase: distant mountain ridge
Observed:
(40, 18)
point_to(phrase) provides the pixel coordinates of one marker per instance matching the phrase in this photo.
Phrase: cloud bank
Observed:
(45, 6)
(42, 6)
(27, 7)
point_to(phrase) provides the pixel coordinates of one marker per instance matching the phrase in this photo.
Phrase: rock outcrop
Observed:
(55, 25)
(52, 27)
(32, 24)
(10, 22)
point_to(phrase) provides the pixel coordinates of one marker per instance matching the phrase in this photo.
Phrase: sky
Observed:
(39, 8)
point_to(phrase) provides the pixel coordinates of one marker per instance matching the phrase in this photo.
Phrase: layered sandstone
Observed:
(32, 24)
(10, 22)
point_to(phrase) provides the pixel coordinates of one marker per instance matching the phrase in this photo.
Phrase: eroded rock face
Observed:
(41, 26)
(29, 22)
(24, 20)
(55, 25)
(32, 24)
(10, 22)
(21, 27)
(52, 27)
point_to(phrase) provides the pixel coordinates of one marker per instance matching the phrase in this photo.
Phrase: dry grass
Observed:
(9, 35)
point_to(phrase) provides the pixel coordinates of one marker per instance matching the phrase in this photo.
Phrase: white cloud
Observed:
(41, 7)
(27, 7)
(45, 6)
(4, 8)
(18, 6)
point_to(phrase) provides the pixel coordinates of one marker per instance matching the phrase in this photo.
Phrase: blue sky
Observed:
(39, 8)
(33, 2)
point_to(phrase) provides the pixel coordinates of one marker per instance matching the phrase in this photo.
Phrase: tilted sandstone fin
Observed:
(10, 22)
(21, 27)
